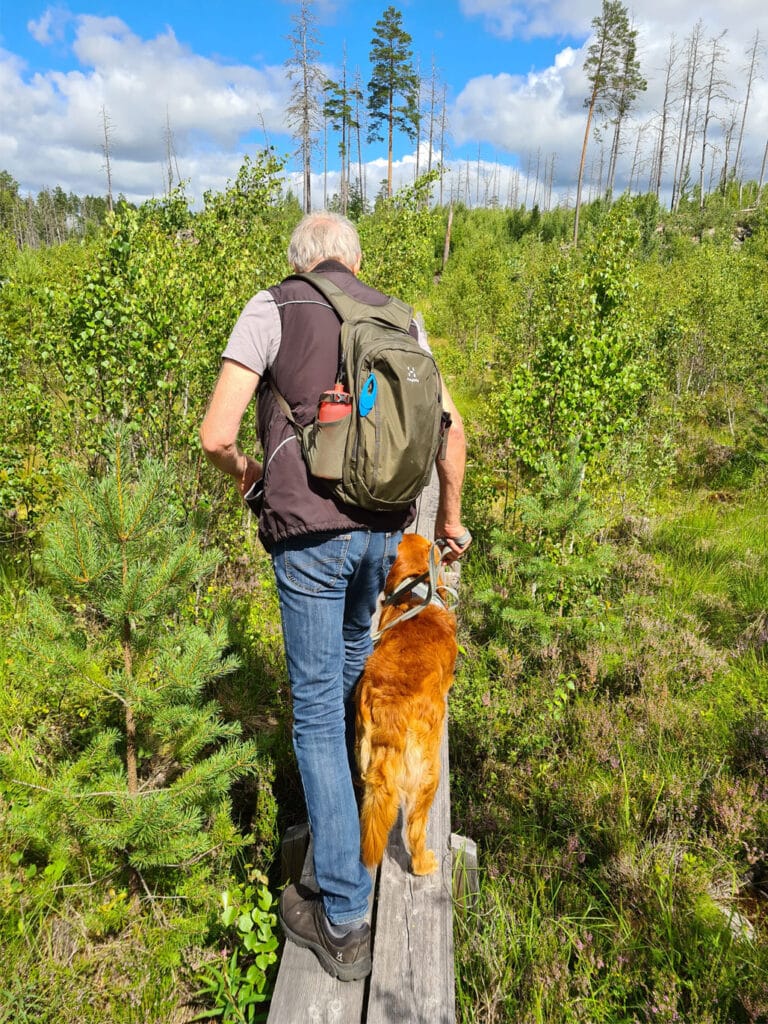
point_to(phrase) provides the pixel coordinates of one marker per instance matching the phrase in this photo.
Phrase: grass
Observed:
(622, 824)
(623, 852)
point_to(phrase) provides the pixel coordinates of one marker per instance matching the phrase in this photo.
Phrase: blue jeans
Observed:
(328, 585)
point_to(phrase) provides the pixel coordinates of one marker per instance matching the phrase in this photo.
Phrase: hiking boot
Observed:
(302, 916)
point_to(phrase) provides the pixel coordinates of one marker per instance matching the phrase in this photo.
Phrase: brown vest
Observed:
(306, 365)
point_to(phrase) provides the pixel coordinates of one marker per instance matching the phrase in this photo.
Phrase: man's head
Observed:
(324, 236)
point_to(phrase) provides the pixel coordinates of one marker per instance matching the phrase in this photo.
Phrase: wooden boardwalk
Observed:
(412, 980)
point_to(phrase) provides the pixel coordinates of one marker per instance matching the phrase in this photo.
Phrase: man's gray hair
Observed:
(322, 236)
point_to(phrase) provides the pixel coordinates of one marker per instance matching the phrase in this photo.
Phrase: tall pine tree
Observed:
(608, 58)
(394, 85)
(627, 83)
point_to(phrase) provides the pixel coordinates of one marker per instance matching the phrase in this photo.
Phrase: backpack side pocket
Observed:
(324, 447)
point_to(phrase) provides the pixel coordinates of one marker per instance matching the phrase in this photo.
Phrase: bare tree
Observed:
(418, 115)
(754, 56)
(514, 189)
(762, 174)
(550, 180)
(108, 129)
(443, 133)
(688, 118)
(715, 88)
(536, 179)
(325, 159)
(358, 125)
(171, 161)
(729, 130)
(661, 145)
(636, 159)
(303, 112)
(433, 83)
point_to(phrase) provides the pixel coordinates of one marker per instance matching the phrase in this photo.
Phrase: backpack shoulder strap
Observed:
(394, 312)
(282, 402)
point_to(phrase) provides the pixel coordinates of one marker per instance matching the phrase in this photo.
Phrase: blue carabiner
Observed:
(367, 398)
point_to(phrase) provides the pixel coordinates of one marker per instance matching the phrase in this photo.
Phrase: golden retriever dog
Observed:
(401, 708)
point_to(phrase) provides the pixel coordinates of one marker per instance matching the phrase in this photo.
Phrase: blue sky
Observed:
(513, 75)
(255, 32)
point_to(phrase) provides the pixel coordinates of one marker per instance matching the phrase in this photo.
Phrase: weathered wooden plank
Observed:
(413, 973)
(426, 509)
(304, 992)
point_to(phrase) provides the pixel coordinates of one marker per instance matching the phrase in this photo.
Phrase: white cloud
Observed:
(56, 118)
(554, 18)
(544, 110)
(50, 26)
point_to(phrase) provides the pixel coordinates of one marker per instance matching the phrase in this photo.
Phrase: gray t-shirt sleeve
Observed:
(255, 338)
(421, 333)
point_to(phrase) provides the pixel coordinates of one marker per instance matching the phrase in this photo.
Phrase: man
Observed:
(330, 562)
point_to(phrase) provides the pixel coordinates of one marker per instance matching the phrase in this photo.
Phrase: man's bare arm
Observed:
(231, 396)
(450, 472)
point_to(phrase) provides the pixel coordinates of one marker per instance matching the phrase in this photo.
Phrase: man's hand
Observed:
(252, 472)
(457, 539)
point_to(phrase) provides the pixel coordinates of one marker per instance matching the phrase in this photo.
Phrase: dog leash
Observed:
(424, 587)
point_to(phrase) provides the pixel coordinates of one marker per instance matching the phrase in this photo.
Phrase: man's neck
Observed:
(328, 265)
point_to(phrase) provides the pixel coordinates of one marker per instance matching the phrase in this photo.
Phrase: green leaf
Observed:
(245, 923)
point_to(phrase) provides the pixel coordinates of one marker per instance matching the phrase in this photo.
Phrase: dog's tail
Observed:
(381, 800)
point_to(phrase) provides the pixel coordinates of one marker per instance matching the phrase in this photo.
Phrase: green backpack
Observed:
(380, 456)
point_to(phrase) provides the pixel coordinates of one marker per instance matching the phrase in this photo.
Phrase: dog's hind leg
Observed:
(381, 801)
(424, 775)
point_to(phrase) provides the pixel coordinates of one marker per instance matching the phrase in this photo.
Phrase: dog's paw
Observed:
(426, 864)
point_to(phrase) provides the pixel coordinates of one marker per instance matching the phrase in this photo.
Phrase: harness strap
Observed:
(423, 587)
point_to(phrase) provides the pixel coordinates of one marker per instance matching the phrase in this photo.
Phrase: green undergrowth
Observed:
(616, 780)
(609, 734)
(143, 718)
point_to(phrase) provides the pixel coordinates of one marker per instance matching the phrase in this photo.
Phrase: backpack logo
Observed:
(412, 378)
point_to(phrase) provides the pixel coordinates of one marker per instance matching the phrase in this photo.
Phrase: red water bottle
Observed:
(334, 405)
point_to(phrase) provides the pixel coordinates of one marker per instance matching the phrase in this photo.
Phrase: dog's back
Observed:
(400, 714)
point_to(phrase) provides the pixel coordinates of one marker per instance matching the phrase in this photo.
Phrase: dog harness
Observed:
(424, 588)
